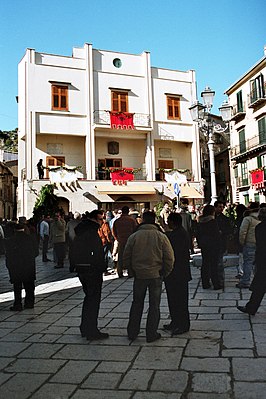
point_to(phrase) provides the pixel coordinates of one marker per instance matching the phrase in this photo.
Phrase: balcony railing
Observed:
(105, 175)
(257, 96)
(238, 112)
(242, 182)
(250, 144)
(139, 120)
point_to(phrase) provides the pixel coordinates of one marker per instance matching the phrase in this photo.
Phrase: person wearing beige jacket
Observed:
(248, 241)
(149, 257)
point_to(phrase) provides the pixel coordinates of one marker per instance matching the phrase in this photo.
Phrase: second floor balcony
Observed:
(238, 112)
(257, 96)
(137, 120)
(252, 144)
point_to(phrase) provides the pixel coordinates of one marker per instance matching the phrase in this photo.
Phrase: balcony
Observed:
(238, 112)
(102, 118)
(250, 145)
(139, 174)
(257, 96)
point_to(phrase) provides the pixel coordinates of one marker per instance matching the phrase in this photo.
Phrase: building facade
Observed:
(247, 96)
(98, 113)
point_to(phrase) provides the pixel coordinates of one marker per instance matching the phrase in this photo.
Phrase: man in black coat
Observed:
(20, 261)
(88, 258)
(176, 283)
(258, 285)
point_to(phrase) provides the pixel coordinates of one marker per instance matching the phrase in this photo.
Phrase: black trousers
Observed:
(92, 287)
(140, 287)
(177, 297)
(209, 268)
(45, 248)
(255, 300)
(60, 251)
(29, 287)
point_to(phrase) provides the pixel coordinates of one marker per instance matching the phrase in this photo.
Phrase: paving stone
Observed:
(35, 366)
(156, 395)
(21, 387)
(210, 316)
(40, 351)
(101, 394)
(96, 352)
(249, 369)
(136, 379)
(246, 390)
(4, 377)
(206, 364)
(171, 381)
(211, 382)
(158, 358)
(116, 367)
(74, 371)
(243, 339)
(221, 325)
(237, 353)
(202, 348)
(54, 391)
(198, 395)
(103, 380)
(218, 302)
(12, 348)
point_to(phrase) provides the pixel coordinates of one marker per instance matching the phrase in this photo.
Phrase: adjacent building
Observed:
(106, 125)
(247, 96)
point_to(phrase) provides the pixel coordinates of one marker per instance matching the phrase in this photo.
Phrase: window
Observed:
(119, 101)
(257, 88)
(262, 130)
(242, 141)
(59, 98)
(173, 108)
(244, 173)
(239, 101)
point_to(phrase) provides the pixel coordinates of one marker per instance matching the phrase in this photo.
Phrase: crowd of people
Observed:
(151, 247)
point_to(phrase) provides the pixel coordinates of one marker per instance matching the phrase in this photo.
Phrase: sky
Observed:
(219, 39)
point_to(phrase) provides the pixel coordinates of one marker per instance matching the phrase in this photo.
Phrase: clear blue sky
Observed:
(220, 39)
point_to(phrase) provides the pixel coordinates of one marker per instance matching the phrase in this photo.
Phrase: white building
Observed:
(247, 96)
(97, 110)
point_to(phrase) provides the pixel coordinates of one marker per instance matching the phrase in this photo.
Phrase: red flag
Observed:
(121, 120)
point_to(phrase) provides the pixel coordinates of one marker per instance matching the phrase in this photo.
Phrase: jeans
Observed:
(248, 263)
(154, 285)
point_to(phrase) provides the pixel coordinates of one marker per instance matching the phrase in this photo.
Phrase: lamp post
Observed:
(201, 113)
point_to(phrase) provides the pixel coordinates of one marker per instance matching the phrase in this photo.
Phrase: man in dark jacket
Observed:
(258, 285)
(20, 261)
(176, 283)
(88, 257)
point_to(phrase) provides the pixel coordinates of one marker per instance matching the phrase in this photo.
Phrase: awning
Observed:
(110, 188)
(189, 192)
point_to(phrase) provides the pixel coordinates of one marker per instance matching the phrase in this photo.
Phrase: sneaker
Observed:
(98, 336)
(155, 338)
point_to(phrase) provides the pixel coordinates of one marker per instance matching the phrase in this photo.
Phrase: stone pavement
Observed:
(42, 354)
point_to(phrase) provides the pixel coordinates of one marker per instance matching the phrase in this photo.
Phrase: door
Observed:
(164, 165)
(54, 161)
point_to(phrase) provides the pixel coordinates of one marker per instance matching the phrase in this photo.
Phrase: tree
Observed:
(9, 140)
(46, 203)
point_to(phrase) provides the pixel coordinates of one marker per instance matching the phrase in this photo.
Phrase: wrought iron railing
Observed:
(257, 95)
(139, 120)
(105, 174)
(250, 144)
(238, 111)
(242, 182)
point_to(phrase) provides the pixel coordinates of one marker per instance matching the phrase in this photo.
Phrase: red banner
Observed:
(121, 120)
(122, 175)
(257, 178)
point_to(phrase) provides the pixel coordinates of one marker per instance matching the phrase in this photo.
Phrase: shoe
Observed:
(28, 306)
(16, 308)
(239, 285)
(168, 327)
(97, 336)
(58, 267)
(155, 338)
(120, 275)
(132, 338)
(244, 310)
(218, 287)
(206, 286)
(47, 260)
(179, 331)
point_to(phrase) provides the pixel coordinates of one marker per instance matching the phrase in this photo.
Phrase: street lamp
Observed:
(200, 113)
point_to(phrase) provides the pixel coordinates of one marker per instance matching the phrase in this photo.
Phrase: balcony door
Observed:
(164, 165)
(54, 161)
(107, 163)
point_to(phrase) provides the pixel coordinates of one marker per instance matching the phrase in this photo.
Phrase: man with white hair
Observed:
(70, 233)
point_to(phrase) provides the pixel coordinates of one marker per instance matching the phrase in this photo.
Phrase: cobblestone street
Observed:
(43, 355)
